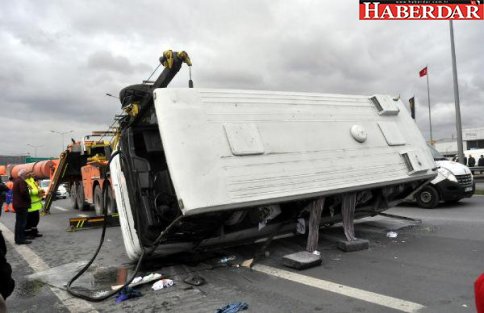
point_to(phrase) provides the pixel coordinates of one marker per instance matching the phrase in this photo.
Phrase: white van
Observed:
(453, 183)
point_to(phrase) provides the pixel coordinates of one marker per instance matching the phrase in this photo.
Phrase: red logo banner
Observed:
(422, 10)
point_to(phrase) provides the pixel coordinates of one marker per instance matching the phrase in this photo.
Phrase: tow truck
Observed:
(83, 167)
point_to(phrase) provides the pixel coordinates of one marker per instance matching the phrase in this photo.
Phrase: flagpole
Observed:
(430, 114)
(458, 125)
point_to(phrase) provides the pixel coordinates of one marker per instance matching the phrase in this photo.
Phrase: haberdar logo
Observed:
(422, 10)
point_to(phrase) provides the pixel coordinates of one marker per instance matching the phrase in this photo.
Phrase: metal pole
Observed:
(458, 125)
(430, 114)
(62, 136)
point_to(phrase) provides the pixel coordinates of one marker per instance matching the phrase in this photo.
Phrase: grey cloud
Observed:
(61, 57)
(105, 60)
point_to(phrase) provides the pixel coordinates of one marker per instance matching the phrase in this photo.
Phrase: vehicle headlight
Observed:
(448, 174)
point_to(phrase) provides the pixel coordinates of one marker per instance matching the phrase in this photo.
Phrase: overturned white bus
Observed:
(202, 167)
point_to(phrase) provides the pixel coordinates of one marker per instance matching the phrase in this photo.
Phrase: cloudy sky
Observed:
(60, 58)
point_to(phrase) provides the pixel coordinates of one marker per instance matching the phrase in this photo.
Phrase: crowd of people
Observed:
(22, 196)
(471, 161)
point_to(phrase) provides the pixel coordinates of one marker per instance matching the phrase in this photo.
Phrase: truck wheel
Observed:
(98, 200)
(111, 202)
(428, 197)
(80, 196)
(73, 196)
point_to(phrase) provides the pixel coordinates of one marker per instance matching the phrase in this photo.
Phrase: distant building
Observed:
(472, 138)
(448, 147)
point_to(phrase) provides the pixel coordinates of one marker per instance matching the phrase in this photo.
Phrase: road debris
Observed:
(164, 283)
(127, 293)
(195, 280)
(233, 307)
(140, 280)
(227, 259)
(247, 263)
(392, 234)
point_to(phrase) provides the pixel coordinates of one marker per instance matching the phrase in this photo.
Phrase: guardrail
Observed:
(477, 169)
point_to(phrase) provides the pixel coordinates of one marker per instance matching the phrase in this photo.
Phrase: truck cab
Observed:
(454, 181)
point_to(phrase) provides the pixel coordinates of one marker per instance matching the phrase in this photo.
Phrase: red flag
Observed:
(423, 72)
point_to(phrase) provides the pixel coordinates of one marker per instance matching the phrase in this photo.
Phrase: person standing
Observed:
(8, 200)
(472, 161)
(7, 284)
(21, 202)
(3, 195)
(33, 214)
(480, 162)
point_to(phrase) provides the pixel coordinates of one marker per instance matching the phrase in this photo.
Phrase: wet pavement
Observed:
(433, 264)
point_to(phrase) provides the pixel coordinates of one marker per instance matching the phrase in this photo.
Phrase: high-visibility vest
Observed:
(36, 204)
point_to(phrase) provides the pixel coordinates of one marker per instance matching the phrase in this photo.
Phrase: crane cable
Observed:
(145, 252)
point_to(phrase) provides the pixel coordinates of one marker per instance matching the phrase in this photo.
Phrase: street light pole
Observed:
(458, 125)
(35, 148)
(62, 135)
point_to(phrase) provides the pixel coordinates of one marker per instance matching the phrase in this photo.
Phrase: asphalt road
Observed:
(429, 267)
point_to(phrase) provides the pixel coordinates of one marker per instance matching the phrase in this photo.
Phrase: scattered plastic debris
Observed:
(195, 280)
(247, 263)
(316, 252)
(140, 280)
(164, 283)
(127, 293)
(464, 305)
(392, 234)
(137, 280)
(99, 294)
(150, 277)
(227, 259)
(233, 307)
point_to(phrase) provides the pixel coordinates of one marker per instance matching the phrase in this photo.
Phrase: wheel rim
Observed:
(426, 197)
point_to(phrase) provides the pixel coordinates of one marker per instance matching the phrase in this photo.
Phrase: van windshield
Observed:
(436, 154)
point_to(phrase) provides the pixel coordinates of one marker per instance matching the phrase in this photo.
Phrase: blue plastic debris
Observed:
(233, 307)
(127, 293)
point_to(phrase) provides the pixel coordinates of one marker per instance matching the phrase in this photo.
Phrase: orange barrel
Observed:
(3, 170)
(41, 169)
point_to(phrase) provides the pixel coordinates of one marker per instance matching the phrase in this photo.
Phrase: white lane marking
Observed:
(74, 305)
(367, 296)
(60, 208)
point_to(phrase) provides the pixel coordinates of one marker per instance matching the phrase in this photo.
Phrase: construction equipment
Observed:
(40, 170)
(197, 168)
(83, 167)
